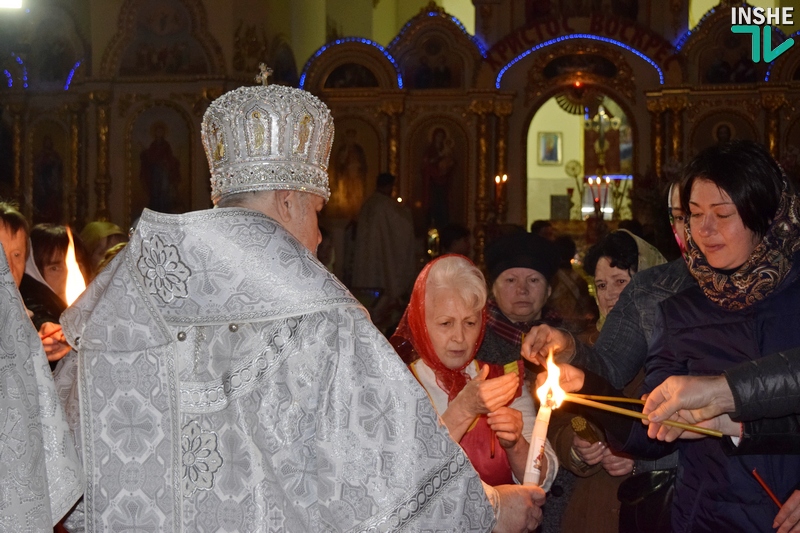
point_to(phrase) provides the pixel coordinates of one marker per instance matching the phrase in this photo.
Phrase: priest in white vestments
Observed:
(40, 472)
(227, 381)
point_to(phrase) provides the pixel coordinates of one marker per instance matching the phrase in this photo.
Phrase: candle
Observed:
(533, 466)
(618, 399)
(497, 187)
(605, 196)
(551, 395)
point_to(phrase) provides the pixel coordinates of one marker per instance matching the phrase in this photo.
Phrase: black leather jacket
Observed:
(766, 393)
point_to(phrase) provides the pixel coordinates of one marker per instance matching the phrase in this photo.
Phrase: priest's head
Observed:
(268, 149)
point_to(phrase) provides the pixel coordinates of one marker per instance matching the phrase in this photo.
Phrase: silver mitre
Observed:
(267, 137)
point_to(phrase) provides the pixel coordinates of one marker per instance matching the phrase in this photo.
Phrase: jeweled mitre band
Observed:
(267, 138)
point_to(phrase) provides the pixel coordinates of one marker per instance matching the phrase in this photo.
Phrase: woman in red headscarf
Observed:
(487, 408)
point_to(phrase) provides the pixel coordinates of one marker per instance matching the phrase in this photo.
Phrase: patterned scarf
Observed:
(765, 269)
(513, 332)
(412, 329)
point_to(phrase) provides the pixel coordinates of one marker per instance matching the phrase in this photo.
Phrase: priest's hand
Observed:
(571, 378)
(53, 340)
(519, 508)
(541, 339)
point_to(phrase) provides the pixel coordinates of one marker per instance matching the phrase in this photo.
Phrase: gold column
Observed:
(676, 105)
(502, 109)
(656, 135)
(71, 196)
(102, 99)
(772, 102)
(481, 108)
(393, 110)
(16, 111)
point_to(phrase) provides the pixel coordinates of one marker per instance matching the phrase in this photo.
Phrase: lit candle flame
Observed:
(550, 393)
(497, 179)
(75, 283)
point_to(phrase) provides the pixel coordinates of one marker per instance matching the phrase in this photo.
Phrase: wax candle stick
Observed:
(533, 466)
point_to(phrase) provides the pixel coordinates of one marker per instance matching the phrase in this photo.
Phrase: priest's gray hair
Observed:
(457, 274)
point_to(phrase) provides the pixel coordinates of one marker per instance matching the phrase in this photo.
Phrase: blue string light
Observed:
(24, 70)
(71, 74)
(361, 40)
(9, 77)
(685, 37)
(577, 36)
(474, 38)
(769, 68)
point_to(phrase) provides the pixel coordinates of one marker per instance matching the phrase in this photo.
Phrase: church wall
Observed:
(100, 110)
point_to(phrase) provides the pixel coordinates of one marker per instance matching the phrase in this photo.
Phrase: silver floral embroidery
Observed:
(200, 458)
(164, 272)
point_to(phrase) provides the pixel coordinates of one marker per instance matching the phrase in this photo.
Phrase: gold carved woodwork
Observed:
(393, 109)
(623, 82)
(250, 47)
(16, 111)
(675, 104)
(102, 100)
(772, 102)
(125, 101)
(127, 27)
(656, 108)
(71, 195)
(502, 109)
(701, 105)
(481, 108)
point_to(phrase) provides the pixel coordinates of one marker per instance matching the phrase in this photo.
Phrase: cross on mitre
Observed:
(263, 76)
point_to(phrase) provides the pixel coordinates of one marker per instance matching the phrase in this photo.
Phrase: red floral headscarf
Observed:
(412, 329)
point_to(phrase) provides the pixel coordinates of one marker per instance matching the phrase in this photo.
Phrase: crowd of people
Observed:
(215, 375)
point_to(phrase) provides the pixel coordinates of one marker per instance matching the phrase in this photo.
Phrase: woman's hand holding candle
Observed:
(507, 425)
(54, 342)
(589, 453)
(479, 396)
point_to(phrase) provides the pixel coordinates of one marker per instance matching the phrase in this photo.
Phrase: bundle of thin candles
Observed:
(578, 398)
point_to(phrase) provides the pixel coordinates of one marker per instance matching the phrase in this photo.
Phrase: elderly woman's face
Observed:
(717, 227)
(453, 327)
(609, 282)
(521, 293)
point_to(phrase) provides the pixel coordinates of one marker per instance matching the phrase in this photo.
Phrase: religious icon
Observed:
(303, 133)
(549, 148)
(48, 173)
(723, 132)
(160, 170)
(438, 165)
